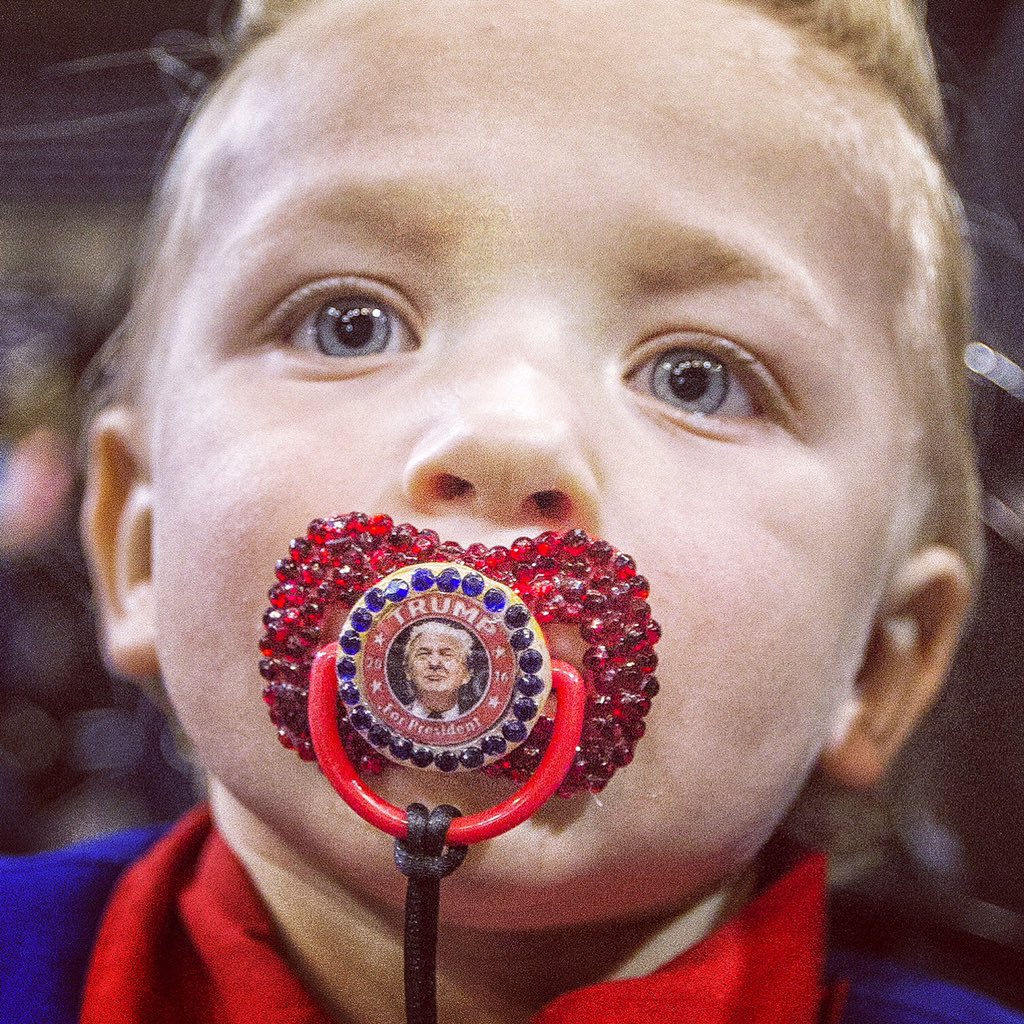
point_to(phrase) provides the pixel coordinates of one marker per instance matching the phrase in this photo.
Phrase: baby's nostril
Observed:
(449, 486)
(552, 503)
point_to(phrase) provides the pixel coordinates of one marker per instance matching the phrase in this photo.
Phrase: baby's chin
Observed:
(579, 860)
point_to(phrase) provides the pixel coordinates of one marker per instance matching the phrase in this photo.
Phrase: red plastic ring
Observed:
(470, 828)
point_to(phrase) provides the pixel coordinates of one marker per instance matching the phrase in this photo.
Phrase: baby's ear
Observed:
(116, 533)
(907, 659)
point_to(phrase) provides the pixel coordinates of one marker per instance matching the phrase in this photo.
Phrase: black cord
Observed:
(424, 860)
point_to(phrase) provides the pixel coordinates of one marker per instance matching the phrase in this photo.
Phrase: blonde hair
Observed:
(880, 46)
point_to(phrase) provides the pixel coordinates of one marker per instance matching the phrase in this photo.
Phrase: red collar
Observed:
(186, 938)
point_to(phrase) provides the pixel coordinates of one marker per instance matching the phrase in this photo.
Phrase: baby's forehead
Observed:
(611, 83)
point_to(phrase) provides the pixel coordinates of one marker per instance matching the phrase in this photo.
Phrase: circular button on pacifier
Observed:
(440, 667)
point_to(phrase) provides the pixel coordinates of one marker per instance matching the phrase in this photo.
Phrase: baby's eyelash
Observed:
(289, 314)
(704, 376)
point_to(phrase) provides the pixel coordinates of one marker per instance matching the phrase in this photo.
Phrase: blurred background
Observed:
(91, 98)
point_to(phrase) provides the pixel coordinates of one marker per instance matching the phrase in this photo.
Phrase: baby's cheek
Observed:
(765, 595)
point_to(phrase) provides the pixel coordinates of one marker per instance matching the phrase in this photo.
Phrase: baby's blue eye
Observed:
(353, 327)
(696, 381)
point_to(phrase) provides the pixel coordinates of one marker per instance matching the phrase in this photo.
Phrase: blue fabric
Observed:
(882, 992)
(50, 909)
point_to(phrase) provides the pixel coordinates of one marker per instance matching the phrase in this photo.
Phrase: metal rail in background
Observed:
(1003, 500)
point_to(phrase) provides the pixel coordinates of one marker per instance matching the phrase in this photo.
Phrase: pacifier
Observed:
(384, 645)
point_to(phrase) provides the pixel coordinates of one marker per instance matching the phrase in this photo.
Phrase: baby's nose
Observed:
(510, 453)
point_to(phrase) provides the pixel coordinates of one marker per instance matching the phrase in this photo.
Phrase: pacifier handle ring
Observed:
(330, 751)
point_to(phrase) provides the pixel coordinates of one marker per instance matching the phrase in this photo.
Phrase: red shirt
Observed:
(186, 938)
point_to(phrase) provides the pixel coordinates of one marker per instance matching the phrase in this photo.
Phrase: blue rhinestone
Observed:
(514, 732)
(421, 757)
(448, 580)
(524, 709)
(374, 599)
(361, 620)
(517, 615)
(472, 757)
(521, 639)
(346, 668)
(473, 585)
(531, 685)
(396, 590)
(379, 735)
(401, 749)
(422, 579)
(349, 694)
(350, 642)
(531, 660)
(492, 745)
(494, 600)
(360, 718)
(447, 761)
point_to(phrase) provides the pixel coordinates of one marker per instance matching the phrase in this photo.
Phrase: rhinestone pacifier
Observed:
(441, 662)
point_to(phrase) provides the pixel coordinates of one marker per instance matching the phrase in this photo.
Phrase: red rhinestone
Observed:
(450, 551)
(634, 641)
(300, 549)
(277, 595)
(317, 531)
(607, 679)
(547, 543)
(639, 612)
(550, 609)
(621, 755)
(574, 543)
(380, 525)
(523, 550)
(334, 528)
(653, 632)
(312, 573)
(624, 566)
(356, 523)
(497, 558)
(401, 537)
(640, 587)
(647, 661)
(600, 552)
(596, 658)
(630, 676)
(425, 543)
(579, 567)
(285, 569)
(384, 561)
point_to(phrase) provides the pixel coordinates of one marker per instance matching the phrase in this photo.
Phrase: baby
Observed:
(685, 275)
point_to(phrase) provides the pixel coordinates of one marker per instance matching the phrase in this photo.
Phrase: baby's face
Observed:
(631, 281)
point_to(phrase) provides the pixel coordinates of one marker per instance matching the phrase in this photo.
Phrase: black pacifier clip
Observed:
(424, 859)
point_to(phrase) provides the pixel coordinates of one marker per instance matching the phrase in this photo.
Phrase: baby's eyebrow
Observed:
(426, 219)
